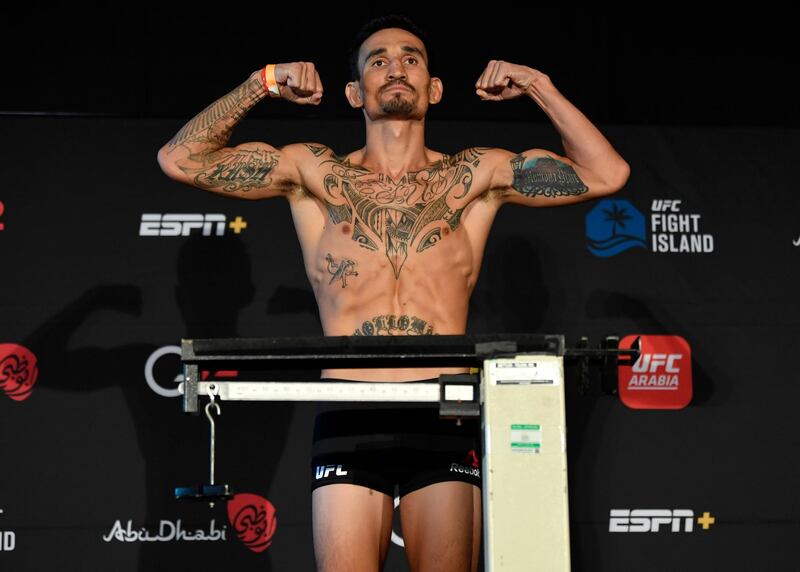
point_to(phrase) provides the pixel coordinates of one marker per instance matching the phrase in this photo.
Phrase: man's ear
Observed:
(352, 91)
(435, 91)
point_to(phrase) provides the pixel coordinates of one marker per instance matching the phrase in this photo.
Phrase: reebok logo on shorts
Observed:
(472, 468)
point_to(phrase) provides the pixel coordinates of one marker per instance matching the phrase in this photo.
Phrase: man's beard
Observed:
(397, 106)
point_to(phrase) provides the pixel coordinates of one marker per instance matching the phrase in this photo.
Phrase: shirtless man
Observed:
(392, 236)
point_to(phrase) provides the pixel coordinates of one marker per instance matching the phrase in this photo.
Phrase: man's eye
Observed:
(411, 60)
(376, 62)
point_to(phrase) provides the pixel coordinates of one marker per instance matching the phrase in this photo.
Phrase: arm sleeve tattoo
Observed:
(545, 176)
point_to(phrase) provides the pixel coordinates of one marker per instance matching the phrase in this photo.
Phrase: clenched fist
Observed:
(299, 82)
(503, 80)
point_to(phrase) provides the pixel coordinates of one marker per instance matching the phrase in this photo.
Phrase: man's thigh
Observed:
(442, 527)
(352, 528)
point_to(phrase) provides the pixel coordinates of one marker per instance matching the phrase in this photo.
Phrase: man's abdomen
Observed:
(363, 292)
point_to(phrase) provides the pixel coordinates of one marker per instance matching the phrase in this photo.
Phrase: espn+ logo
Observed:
(652, 520)
(158, 224)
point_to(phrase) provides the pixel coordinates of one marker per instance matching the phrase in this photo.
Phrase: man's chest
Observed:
(397, 218)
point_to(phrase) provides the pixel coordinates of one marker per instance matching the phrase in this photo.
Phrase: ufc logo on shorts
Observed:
(649, 520)
(324, 471)
(181, 224)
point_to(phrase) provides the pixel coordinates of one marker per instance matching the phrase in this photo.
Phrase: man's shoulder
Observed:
(477, 156)
(318, 154)
(306, 151)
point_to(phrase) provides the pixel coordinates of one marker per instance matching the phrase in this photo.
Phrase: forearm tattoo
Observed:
(215, 123)
(545, 176)
(340, 270)
(390, 215)
(393, 325)
(240, 170)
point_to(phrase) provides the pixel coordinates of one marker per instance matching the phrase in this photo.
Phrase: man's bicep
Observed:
(538, 177)
(247, 171)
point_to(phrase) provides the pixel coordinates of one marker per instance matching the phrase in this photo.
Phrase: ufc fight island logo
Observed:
(616, 225)
(656, 520)
(156, 224)
(676, 231)
(662, 376)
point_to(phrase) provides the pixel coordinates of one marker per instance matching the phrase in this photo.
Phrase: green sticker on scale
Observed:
(526, 438)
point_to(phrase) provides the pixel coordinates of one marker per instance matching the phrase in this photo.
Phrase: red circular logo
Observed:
(18, 371)
(253, 519)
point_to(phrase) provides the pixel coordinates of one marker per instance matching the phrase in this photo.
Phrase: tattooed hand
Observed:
(299, 82)
(503, 80)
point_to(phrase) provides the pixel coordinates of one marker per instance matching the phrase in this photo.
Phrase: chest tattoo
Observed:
(390, 215)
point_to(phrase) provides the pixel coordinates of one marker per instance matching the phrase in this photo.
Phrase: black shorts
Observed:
(383, 445)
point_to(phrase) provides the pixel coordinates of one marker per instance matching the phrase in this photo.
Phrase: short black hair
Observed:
(382, 23)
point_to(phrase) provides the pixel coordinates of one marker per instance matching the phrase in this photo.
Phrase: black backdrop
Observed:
(660, 64)
(95, 444)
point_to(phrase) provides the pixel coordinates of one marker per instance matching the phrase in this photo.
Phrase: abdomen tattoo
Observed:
(340, 270)
(393, 325)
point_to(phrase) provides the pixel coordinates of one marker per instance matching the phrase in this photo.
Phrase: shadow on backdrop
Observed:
(214, 285)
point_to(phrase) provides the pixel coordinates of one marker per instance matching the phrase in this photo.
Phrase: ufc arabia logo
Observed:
(662, 376)
(649, 363)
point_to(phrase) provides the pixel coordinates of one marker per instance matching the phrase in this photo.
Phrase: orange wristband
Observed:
(268, 79)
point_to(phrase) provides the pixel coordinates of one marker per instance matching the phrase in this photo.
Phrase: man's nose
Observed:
(397, 70)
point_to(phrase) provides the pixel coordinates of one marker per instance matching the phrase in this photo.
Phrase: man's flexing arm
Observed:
(197, 155)
(592, 168)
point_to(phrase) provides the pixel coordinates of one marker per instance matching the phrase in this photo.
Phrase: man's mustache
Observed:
(397, 82)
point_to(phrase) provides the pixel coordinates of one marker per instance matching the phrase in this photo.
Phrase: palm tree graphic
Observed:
(617, 216)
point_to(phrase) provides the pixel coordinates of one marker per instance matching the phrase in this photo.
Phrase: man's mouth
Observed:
(397, 86)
